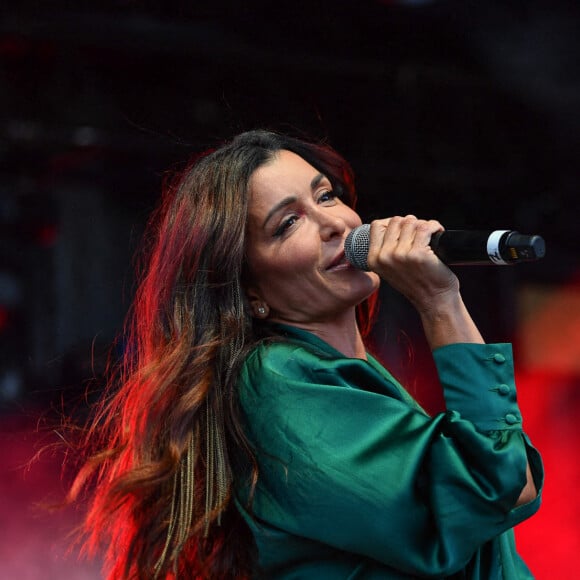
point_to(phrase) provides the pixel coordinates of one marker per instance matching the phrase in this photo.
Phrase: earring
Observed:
(260, 309)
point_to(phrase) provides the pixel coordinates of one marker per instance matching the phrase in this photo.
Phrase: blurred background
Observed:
(463, 111)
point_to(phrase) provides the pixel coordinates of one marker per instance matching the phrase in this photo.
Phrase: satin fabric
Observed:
(357, 481)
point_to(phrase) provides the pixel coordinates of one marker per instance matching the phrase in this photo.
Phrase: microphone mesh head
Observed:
(356, 246)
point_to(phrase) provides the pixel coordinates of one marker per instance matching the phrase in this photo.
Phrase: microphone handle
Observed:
(498, 247)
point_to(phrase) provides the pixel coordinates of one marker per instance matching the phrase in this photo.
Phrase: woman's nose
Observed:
(331, 226)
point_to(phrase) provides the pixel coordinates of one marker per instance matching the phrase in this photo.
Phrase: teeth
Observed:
(338, 263)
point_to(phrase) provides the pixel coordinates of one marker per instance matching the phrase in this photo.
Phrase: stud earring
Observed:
(261, 310)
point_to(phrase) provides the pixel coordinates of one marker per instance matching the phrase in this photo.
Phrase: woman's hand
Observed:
(400, 254)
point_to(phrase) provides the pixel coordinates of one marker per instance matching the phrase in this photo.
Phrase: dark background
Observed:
(462, 111)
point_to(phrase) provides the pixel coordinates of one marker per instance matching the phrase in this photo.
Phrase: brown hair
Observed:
(168, 433)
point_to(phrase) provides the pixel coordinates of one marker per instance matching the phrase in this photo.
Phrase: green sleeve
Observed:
(346, 460)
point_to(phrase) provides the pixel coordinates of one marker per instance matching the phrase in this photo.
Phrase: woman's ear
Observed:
(260, 308)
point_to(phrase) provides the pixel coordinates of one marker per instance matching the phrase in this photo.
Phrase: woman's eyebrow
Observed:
(280, 205)
(316, 180)
(291, 199)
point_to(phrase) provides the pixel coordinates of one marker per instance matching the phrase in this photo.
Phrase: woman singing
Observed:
(250, 433)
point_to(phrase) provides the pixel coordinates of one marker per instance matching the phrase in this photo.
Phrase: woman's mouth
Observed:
(339, 263)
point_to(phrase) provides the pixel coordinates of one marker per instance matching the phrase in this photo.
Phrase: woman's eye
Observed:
(327, 196)
(287, 223)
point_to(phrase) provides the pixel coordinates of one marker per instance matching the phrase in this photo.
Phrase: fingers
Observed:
(399, 238)
(400, 254)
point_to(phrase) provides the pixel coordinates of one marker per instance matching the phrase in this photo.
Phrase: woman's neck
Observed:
(340, 333)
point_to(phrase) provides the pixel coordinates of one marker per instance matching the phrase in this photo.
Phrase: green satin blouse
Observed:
(357, 481)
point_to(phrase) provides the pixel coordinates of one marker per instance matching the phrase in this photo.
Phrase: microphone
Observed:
(460, 247)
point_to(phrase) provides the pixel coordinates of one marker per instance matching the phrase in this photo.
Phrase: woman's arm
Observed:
(401, 255)
(448, 322)
(364, 471)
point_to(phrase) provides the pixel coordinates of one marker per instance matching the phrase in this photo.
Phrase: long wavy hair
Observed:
(167, 436)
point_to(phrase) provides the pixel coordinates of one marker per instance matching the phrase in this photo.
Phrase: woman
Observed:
(254, 436)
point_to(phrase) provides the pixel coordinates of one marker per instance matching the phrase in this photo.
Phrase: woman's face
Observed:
(295, 245)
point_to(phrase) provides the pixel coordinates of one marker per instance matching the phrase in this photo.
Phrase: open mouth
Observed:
(339, 261)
